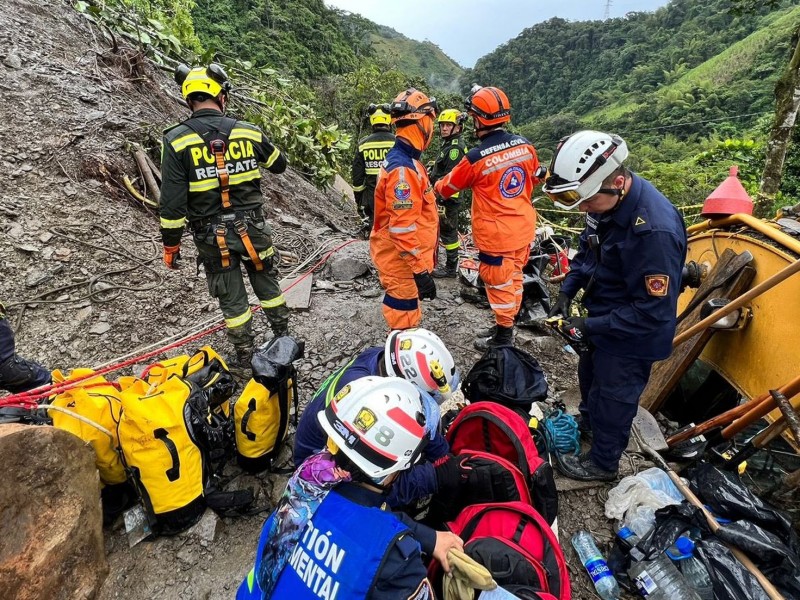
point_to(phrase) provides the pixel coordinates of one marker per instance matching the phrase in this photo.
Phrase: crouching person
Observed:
(331, 535)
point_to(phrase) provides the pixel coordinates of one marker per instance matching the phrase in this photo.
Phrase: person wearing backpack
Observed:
(629, 265)
(211, 178)
(330, 535)
(419, 356)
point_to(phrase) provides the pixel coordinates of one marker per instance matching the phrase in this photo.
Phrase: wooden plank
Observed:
(667, 373)
(299, 297)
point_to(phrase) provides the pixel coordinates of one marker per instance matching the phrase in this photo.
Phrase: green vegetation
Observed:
(423, 60)
(684, 85)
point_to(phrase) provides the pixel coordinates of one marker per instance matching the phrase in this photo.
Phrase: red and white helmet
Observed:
(378, 423)
(421, 357)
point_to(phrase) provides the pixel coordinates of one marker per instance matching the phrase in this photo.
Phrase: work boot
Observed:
(583, 468)
(19, 375)
(503, 336)
(486, 332)
(450, 268)
(241, 366)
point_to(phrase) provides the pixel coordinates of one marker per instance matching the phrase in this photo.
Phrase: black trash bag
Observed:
(726, 496)
(508, 376)
(777, 561)
(731, 580)
(272, 361)
(671, 522)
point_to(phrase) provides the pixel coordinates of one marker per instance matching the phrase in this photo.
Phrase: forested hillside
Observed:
(609, 71)
(418, 59)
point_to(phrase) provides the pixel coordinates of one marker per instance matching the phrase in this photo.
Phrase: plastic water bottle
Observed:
(602, 577)
(692, 568)
(629, 540)
(659, 579)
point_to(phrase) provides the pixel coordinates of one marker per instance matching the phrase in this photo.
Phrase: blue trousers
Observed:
(610, 389)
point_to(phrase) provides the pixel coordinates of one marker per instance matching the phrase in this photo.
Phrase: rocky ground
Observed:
(82, 276)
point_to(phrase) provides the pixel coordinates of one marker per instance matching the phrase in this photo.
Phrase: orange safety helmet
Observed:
(489, 106)
(412, 105)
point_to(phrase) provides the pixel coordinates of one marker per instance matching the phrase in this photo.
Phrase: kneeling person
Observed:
(417, 355)
(330, 535)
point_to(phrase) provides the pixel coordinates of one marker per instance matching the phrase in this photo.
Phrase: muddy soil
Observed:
(82, 276)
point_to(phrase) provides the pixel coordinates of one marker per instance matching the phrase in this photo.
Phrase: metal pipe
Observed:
(771, 230)
(762, 287)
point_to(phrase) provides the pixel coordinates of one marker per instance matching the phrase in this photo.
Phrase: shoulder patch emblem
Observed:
(639, 221)
(454, 154)
(657, 285)
(512, 183)
(402, 191)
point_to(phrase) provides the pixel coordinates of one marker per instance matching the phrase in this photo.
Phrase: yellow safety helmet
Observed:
(211, 80)
(451, 115)
(378, 116)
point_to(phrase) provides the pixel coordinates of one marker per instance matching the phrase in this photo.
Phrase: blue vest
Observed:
(338, 556)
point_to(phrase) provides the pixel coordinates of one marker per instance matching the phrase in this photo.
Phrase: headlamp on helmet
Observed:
(379, 114)
(413, 105)
(580, 164)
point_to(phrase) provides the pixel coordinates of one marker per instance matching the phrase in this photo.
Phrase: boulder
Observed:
(51, 526)
(347, 268)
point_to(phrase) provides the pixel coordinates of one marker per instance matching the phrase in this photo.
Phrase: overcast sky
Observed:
(469, 29)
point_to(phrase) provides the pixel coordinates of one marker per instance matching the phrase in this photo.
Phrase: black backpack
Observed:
(508, 376)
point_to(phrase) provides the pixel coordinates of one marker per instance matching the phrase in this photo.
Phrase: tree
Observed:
(787, 104)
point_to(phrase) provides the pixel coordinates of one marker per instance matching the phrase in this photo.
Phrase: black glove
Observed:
(426, 286)
(574, 328)
(451, 472)
(560, 306)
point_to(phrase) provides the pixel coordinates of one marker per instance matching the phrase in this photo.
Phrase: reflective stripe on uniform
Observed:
(246, 176)
(412, 227)
(453, 246)
(239, 321)
(204, 185)
(240, 133)
(274, 302)
(500, 286)
(272, 158)
(172, 223)
(369, 145)
(359, 188)
(506, 164)
(251, 579)
(184, 141)
(266, 253)
(502, 306)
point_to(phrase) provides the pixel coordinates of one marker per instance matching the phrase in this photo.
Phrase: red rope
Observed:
(29, 397)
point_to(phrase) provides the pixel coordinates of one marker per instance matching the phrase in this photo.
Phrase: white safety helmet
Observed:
(378, 423)
(421, 357)
(580, 164)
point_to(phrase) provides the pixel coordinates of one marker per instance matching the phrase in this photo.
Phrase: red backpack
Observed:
(513, 541)
(496, 429)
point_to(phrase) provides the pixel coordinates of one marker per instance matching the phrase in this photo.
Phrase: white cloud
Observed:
(469, 29)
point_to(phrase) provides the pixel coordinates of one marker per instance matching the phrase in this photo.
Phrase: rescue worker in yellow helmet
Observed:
(211, 179)
(451, 124)
(370, 153)
(403, 240)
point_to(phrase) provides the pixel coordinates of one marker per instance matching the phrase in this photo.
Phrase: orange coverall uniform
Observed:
(500, 172)
(404, 234)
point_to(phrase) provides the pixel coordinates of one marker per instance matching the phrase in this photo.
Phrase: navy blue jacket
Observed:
(632, 277)
(413, 484)
(392, 569)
